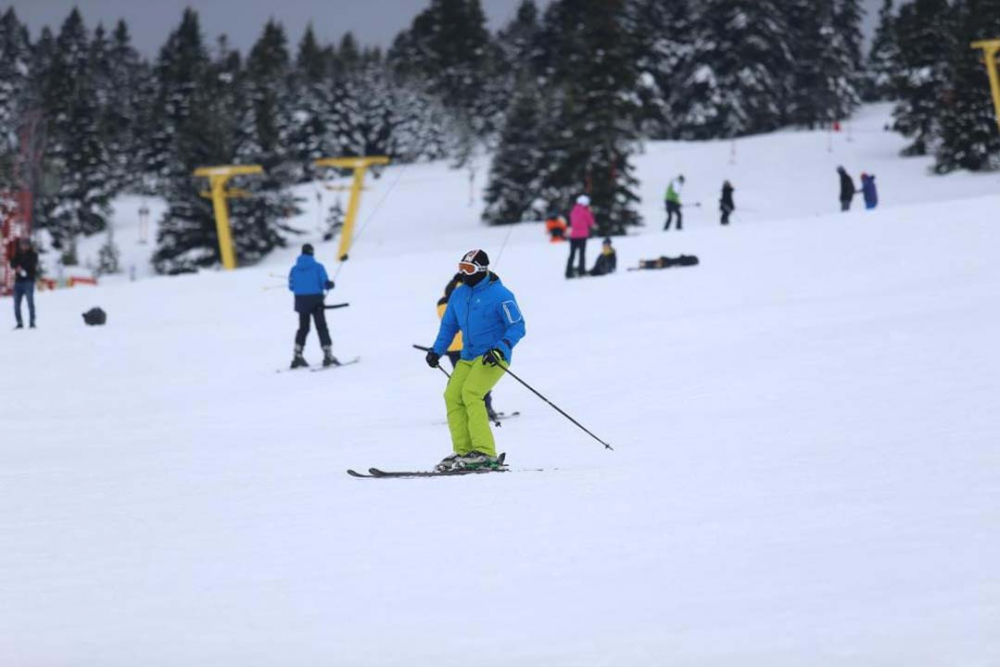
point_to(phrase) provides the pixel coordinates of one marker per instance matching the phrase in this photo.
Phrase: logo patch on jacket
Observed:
(511, 311)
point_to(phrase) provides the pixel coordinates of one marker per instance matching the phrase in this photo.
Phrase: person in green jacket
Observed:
(674, 202)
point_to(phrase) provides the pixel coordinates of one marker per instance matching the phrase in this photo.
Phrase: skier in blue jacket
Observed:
(491, 323)
(309, 282)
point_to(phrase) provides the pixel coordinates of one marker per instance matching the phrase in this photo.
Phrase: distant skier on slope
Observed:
(455, 349)
(847, 189)
(25, 265)
(581, 221)
(869, 190)
(491, 324)
(308, 281)
(673, 202)
(726, 204)
(556, 227)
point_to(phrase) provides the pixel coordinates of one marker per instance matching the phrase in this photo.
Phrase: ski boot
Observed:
(328, 358)
(298, 361)
(447, 463)
(477, 461)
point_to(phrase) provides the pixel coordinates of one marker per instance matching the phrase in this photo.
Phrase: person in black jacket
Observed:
(726, 205)
(847, 189)
(607, 261)
(25, 265)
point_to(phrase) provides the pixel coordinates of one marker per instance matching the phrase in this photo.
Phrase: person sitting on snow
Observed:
(665, 262)
(556, 226)
(607, 261)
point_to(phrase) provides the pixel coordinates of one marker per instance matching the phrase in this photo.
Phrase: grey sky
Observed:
(374, 22)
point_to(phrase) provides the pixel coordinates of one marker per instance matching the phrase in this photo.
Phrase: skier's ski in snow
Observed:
(376, 473)
(317, 369)
(332, 366)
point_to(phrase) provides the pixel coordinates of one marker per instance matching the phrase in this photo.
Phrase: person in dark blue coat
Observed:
(869, 190)
(309, 282)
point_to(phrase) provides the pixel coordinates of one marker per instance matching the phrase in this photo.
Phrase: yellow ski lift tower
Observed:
(990, 49)
(360, 166)
(217, 178)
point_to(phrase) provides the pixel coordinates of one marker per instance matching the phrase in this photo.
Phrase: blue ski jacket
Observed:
(488, 317)
(307, 276)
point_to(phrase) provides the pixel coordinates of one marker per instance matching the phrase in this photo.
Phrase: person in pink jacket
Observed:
(581, 222)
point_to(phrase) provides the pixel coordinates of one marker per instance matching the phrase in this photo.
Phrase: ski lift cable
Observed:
(371, 216)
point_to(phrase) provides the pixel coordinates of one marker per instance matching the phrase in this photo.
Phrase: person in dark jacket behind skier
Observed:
(486, 313)
(726, 204)
(25, 265)
(607, 261)
(869, 190)
(309, 282)
(847, 189)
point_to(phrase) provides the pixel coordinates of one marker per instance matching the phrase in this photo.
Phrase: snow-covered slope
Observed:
(806, 463)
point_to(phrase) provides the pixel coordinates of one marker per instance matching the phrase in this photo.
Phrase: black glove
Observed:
(329, 284)
(493, 357)
(432, 358)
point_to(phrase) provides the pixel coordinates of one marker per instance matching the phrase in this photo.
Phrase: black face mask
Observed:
(474, 279)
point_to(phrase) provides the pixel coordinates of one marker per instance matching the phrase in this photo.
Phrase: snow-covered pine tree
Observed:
(81, 203)
(447, 48)
(970, 138)
(309, 138)
(195, 129)
(737, 79)
(882, 57)
(15, 72)
(514, 184)
(594, 105)
(925, 33)
(259, 222)
(661, 39)
(125, 89)
(826, 69)
(334, 220)
(108, 256)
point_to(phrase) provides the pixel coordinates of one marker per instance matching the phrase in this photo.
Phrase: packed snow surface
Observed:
(806, 466)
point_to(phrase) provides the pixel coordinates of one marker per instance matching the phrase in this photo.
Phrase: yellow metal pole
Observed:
(226, 249)
(990, 49)
(360, 166)
(217, 178)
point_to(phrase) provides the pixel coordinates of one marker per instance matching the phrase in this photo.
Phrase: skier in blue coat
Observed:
(869, 191)
(309, 282)
(491, 323)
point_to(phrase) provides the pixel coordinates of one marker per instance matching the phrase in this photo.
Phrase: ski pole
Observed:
(336, 305)
(439, 366)
(536, 393)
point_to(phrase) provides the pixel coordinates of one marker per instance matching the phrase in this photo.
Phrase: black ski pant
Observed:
(454, 356)
(726, 212)
(577, 246)
(318, 315)
(672, 208)
(24, 289)
(845, 204)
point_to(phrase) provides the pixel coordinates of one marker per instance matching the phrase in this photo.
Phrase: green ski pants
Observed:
(464, 398)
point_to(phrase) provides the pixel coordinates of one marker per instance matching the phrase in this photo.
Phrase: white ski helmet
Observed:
(583, 200)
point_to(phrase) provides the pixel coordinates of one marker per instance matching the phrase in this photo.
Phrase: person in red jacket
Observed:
(581, 222)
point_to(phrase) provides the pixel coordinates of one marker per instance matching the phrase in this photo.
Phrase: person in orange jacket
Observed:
(556, 226)
(455, 349)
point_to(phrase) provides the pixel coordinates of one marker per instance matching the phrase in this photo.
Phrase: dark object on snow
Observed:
(869, 190)
(95, 317)
(607, 261)
(726, 204)
(667, 262)
(847, 189)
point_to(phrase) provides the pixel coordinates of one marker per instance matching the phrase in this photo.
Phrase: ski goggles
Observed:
(470, 269)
